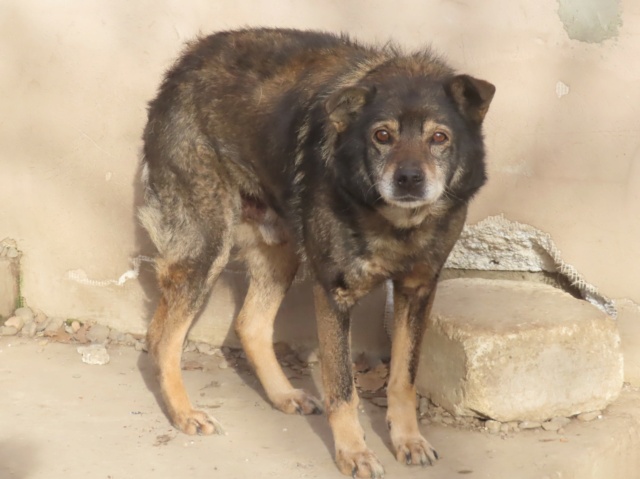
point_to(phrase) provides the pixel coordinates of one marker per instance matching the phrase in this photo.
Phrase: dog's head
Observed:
(408, 139)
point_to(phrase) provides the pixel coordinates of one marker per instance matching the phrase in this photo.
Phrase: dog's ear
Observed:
(471, 95)
(343, 105)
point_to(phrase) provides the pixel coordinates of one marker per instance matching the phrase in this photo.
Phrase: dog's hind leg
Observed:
(192, 256)
(271, 269)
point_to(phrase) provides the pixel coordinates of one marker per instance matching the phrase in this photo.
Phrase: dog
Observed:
(292, 147)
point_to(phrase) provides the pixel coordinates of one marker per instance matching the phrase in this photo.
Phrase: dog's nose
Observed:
(409, 179)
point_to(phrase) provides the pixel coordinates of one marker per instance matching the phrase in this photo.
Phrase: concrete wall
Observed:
(563, 133)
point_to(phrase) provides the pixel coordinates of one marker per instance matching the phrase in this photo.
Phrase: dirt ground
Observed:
(62, 418)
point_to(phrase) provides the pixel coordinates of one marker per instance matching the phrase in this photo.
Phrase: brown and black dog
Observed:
(297, 146)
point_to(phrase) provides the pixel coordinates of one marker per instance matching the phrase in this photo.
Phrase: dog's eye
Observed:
(382, 136)
(439, 137)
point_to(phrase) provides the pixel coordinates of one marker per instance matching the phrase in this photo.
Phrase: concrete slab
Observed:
(629, 325)
(511, 350)
(64, 419)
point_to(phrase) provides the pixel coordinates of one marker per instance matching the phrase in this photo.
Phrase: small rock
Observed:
(53, 325)
(555, 423)
(423, 406)
(218, 353)
(30, 329)
(8, 331)
(493, 426)
(140, 346)
(530, 425)
(68, 329)
(588, 416)
(504, 428)
(40, 317)
(204, 348)
(95, 354)
(226, 350)
(16, 322)
(448, 420)
(25, 313)
(98, 333)
(425, 420)
(513, 426)
(75, 326)
(41, 326)
(223, 364)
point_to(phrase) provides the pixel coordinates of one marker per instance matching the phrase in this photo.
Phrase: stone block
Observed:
(511, 351)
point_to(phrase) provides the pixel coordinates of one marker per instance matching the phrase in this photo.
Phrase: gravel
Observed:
(16, 322)
(555, 424)
(8, 331)
(589, 416)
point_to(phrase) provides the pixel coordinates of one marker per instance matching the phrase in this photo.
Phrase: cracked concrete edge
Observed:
(499, 244)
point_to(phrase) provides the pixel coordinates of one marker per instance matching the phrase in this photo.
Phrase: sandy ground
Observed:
(61, 418)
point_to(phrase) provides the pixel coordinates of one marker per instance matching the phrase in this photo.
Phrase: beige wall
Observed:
(75, 77)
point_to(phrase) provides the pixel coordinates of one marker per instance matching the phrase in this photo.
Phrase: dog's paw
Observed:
(415, 450)
(359, 464)
(197, 422)
(297, 401)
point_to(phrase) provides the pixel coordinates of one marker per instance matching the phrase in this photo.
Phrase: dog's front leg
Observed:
(413, 297)
(341, 398)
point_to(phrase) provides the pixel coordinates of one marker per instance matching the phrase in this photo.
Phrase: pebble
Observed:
(25, 313)
(223, 364)
(530, 425)
(98, 333)
(53, 325)
(16, 322)
(423, 406)
(448, 420)
(129, 340)
(588, 416)
(493, 426)
(40, 317)
(226, 350)
(8, 331)
(140, 346)
(30, 329)
(204, 348)
(555, 424)
(75, 326)
(95, 354)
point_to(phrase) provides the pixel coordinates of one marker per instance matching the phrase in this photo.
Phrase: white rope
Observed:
(80, 276)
